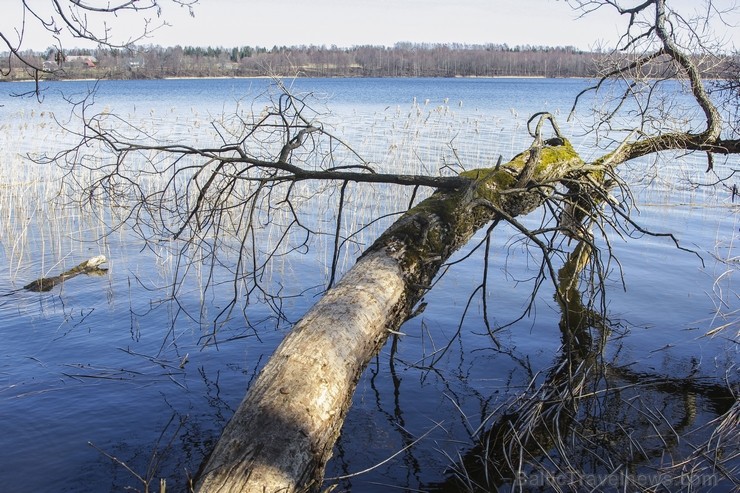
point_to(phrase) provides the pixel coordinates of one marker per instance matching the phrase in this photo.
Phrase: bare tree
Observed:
(78, 20)
(246, 184)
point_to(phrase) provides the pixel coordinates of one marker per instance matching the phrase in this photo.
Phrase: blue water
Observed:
(111, 370)
(487, 94)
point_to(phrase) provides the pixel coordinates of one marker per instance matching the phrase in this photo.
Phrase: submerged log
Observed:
(89, 266)
(283, 432)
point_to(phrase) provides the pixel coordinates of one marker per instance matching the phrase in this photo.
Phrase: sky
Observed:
(384, 22)
(346, 23)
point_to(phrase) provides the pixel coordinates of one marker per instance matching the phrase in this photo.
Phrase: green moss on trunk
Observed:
(426, 235)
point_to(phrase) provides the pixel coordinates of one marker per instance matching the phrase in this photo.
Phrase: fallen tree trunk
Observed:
(89, 266)
(283, 432)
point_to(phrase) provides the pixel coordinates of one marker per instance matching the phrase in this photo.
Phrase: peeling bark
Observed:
(283, 432)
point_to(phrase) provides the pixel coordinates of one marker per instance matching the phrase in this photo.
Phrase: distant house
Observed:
(86, 60)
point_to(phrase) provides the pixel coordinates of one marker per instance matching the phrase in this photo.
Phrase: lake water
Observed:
(110, 381)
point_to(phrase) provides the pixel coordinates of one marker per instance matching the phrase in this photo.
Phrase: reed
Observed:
(44, 223)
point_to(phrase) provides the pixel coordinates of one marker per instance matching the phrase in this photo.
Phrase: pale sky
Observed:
(383, 22)
(345, 23)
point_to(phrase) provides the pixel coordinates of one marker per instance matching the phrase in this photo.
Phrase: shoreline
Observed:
(262, 77)
(293, 77)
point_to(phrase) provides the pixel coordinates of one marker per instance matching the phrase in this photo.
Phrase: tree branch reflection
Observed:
(595, 424)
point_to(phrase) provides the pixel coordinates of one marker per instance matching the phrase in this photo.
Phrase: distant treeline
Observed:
(401, 60)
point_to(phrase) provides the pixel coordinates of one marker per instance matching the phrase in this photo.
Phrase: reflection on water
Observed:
(113, 382)
(592, 425)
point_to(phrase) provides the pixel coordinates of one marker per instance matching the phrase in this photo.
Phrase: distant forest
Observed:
(401, 60)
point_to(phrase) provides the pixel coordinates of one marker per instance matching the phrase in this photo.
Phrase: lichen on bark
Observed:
(447, 219)
(411, 253)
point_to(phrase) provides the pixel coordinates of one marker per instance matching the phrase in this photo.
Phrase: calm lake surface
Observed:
(110, 370)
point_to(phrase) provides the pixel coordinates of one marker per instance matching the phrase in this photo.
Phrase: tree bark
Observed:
(283, 432)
